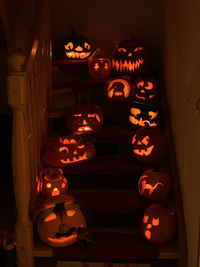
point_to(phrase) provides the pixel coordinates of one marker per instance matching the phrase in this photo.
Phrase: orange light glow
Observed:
(149, 86)
(155, 221)
(145, 218)
(48, 185)
(55, 192)
(148, 234)
(143, 152)
(51, 217)
(70, 213)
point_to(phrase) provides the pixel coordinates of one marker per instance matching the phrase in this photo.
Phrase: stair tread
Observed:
(120, 245)
(108, 165)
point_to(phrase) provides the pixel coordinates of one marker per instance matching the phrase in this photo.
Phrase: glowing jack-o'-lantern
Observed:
(68, 150)
(85, 119)
(129, 57)
(58, 225)
(77, 47)
(146, 89)
(149, 145)
(154, 185)
(53, 183)
(118, 89)
(143, 114)
(99, 66)
(158, 224)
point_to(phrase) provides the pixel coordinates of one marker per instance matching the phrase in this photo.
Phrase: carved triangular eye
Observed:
(51, 217)
(139, 48)
(134, 139)
(69, 46)
(141, 83)
(145, 140)
(145, 218)
(70, 213)
(135, 111)
(72, 141)
(96, 66)
(121, 49)
(152, 114)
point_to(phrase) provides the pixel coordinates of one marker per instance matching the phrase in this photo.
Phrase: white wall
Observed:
(182, 64)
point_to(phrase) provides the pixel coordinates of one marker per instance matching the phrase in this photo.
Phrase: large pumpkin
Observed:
(149, 145)
(158, 224)
(118, 89)
(58, 224)
(146, 89)
(142, 114)
(129, 57)
(85, 119)
(53, 182)
(77, 47)
(154, 185)
(68, 150)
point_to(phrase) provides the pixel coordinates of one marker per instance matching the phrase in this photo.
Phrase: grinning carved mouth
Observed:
(141, 122)
(85, 129)
(142, 97)
(80, 158)
(63, 239)
(144, 152)
(118, 93)
(131, 66)
(78, 55)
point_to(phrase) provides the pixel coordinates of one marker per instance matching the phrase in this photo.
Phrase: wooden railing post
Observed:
(17, 99)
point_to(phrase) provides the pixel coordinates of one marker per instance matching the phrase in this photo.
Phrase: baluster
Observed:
(17, 99)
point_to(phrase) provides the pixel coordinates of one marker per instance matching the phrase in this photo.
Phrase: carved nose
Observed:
(149, 226)
(79, 48)
(75, 152)
(130, 54)
(84, 122)
(139, 143)
(142, 91)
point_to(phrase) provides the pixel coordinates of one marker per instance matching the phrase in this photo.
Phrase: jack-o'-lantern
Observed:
(118, 89)
(68, 150)
(99, 66)
(77, 47)
(58, 225)
(129, 57)
(146, 89)
(143, 114)
(158, 224)
(84, 119)
(154, 185)
(53, 182)
(149, 145)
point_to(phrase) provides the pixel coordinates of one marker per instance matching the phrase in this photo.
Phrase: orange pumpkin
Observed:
(158, 225)
(154, 185)
(58, 224)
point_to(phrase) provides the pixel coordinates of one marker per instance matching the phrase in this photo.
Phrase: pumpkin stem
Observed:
(73, 31)
(60, 210)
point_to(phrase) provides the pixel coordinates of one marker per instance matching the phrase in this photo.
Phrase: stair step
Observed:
(108, 165)
(111, 201)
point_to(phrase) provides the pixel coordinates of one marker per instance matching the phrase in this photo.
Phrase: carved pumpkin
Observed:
(146, 89)
(118, 89)
(149, 145)
(143, 114)
(129, 57)
(158, 224)
(77, 47)
(85, 119)
(68, 150)
(154, 185)
(53, 183)
(99, 66)
(58, 225)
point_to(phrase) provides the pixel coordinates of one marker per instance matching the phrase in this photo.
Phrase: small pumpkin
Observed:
(158, 225)
(68, 150)
(154, 185)
(53, 182)
(118, 89)
(58, 224)
(84, 119)
(146, 89)
(143, 114)
(99, 66)
(129, 58)
(149, 145)
(77, 47)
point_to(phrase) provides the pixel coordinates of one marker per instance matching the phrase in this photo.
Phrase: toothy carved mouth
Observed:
(129, 66)
(144, 152)
(141, 122)
(77, 55)
(80, 158)
(118, 93)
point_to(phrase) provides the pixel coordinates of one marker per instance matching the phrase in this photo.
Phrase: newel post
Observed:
(17, 99)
